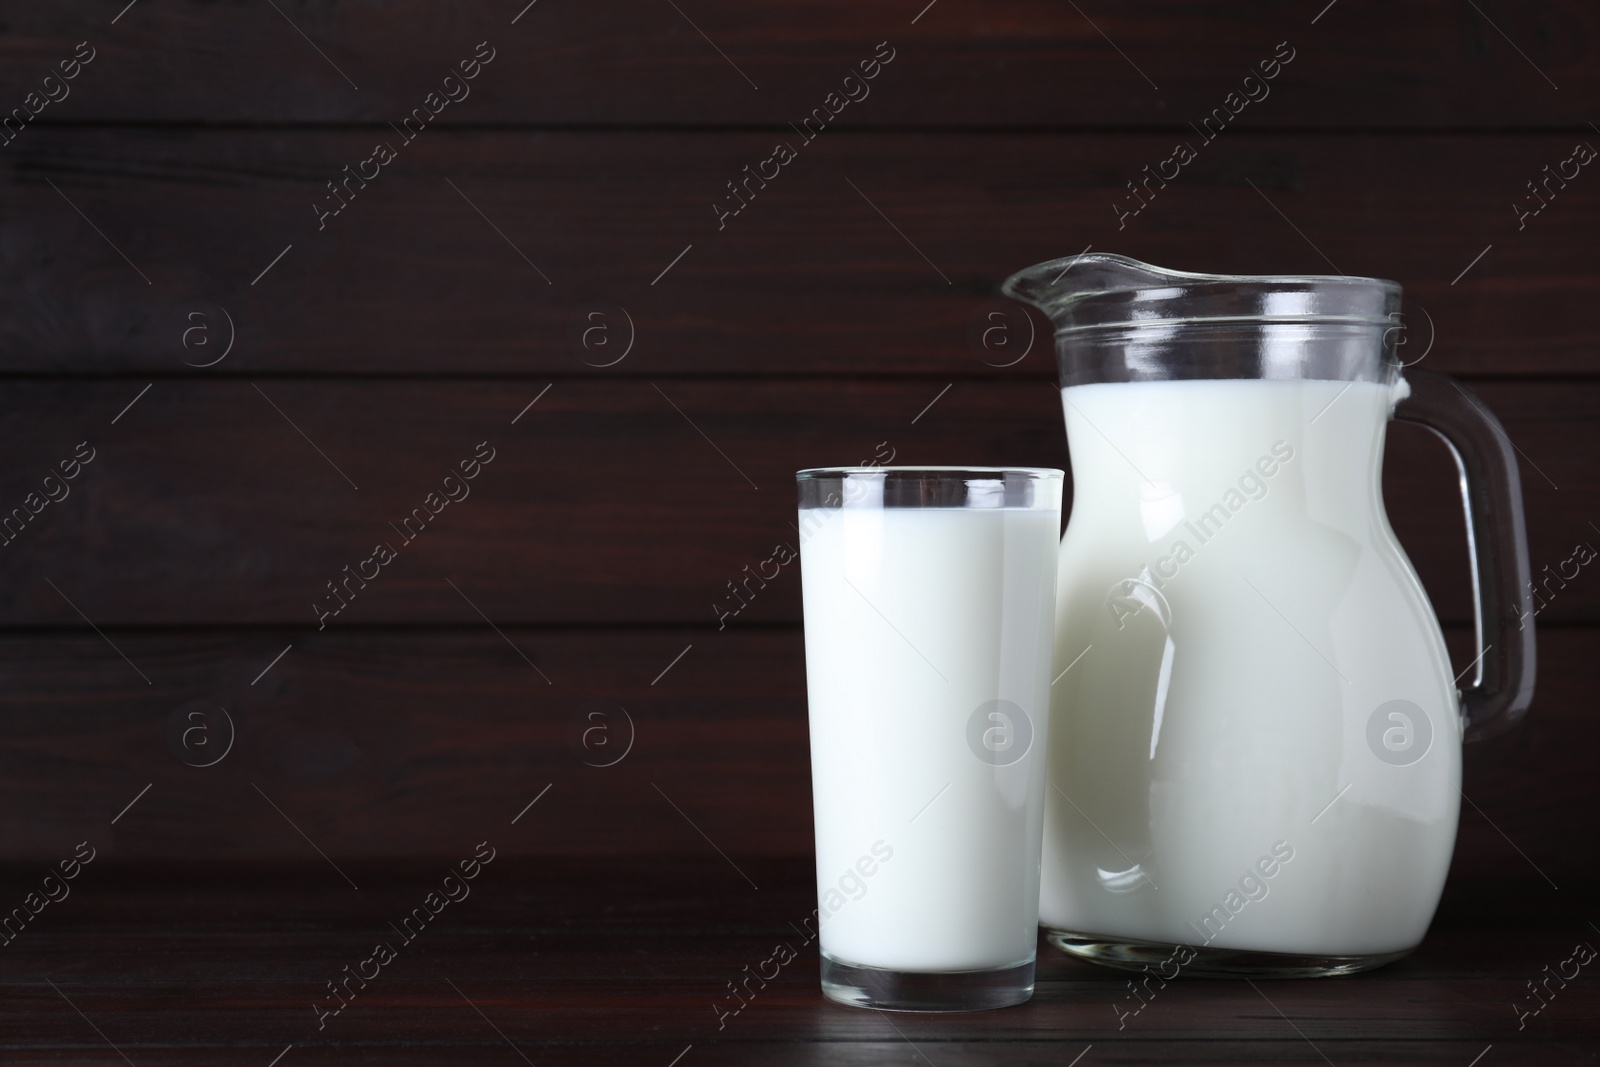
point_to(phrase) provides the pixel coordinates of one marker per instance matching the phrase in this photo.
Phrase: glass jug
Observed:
(1254, 739)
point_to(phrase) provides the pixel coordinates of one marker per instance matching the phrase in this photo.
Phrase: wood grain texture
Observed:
(584, 962)
(383, 743)
(225, 502)
(1016, 62)
(869, 253)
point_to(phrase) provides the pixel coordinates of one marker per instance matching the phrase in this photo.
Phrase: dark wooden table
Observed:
(607, 962)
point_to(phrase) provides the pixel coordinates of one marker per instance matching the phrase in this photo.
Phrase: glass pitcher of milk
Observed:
(1255, 729)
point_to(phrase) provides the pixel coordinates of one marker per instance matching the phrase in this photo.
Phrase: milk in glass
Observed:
(927, 667)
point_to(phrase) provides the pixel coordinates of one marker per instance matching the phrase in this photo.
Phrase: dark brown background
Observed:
(807, 332)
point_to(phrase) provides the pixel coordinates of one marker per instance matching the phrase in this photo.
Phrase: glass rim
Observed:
(1040, 473)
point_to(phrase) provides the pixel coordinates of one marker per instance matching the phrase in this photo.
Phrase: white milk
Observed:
(950, 608)
(1192, 749)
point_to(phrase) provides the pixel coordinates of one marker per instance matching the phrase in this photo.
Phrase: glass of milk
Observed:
(929, 613)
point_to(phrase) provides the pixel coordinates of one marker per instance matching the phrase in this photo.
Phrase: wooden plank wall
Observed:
(265, 385)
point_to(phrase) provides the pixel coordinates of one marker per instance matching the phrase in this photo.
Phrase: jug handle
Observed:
(1497, 541)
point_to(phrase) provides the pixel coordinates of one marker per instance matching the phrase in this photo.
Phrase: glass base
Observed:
(874, 987)
(1128, 954)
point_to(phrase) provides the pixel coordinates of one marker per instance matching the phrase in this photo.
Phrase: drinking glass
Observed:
(929, 610)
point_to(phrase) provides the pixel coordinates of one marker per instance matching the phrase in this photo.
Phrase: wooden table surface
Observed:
(610, 962)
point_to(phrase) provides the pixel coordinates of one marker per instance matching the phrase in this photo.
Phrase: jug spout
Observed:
(1117, 319)
(1052, 286)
